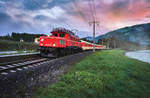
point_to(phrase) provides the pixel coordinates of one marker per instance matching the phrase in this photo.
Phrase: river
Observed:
(142, 55)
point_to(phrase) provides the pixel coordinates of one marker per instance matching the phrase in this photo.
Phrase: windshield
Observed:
(55, 34)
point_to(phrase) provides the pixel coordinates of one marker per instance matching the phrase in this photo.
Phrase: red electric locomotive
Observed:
(63, 42)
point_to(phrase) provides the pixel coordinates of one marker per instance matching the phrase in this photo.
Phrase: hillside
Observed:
(137, 34)
(89, 39)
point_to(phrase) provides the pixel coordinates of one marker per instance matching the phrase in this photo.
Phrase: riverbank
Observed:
(105, 74)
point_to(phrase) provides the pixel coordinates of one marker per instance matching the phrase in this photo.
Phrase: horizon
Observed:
(79, 36)
(40, 17)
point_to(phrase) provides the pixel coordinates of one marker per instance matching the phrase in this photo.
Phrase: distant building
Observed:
(21, 40)
(36, 40)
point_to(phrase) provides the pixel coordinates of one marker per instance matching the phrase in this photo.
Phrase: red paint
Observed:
(62, 38)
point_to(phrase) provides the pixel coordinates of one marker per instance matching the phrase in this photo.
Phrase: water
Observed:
(15, 53)
(143, 55)
(7, 52)
(11, 52)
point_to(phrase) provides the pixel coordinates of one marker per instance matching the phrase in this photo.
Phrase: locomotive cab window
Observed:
(62, 35)
(55, 34)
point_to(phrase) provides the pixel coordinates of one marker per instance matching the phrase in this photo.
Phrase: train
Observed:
(63, 42)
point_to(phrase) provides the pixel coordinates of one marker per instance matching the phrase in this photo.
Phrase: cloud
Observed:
(4, 17)
(43, 15)
(6, 21)
(54, 12)
(2, 2)
(148, 16)
(108, 1)
(9, 25)
(33, 18)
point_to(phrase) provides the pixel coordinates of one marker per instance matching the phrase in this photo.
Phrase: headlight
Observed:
(42, 40)
(54, 44)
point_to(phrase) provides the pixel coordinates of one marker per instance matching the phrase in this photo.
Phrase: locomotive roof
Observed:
(64, 30)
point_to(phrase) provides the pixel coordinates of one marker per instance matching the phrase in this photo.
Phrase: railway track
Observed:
(11, 67)
(18, 61)
(24, 62)
(17, 58)
(18, 65)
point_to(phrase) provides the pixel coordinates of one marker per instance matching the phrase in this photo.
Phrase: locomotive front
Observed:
(50, 45)
(61, 42)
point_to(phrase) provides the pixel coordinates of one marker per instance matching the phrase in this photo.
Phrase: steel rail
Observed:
(18, 61)
(17, 66)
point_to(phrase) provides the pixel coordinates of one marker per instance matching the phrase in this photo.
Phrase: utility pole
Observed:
(94, 23)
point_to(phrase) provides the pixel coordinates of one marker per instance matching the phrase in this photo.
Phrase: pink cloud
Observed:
(115, 14)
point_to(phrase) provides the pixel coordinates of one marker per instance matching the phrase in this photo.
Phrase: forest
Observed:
(26, 37)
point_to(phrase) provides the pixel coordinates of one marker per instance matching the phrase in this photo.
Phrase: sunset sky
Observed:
(41, 16)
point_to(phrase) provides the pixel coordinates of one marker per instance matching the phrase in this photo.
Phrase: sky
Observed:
(41, 16)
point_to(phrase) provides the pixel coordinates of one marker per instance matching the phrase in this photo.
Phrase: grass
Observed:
(105, 74)
(13, 46)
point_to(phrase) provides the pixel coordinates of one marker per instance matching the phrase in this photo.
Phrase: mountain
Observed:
(89, 39)
(137, 34)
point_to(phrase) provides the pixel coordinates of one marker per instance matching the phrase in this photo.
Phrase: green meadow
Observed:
(104, 74)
